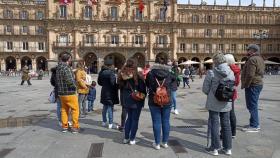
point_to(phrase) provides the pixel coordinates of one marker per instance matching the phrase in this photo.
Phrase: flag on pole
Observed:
(141, 6)
(65, 1)
(92, 2)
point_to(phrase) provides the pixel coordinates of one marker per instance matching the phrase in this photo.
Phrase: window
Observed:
(208, 48)
(269, 47)
(24, 45)
(208, 18)
(88, 12)
(162, 14)
(182, 47)
(8, 29)
(245, 46)
(222, 19)
(10, 45)
(195, 47)
(208, 33)
(8, 14)
(221, 47)
(40, 30)
(162, 39)
(221, 33)
(195, 19)
(23, 15)
(63, 11)
(24, 29)
(40, 46)
(39, 15)
(63, 39)
(233, 47)
(139, 39)
(183, 33)
(278, 47)
(114, 13)
(138, 15)
(114, 39)
(89, 39)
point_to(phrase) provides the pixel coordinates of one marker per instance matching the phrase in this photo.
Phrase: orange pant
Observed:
(69, 102)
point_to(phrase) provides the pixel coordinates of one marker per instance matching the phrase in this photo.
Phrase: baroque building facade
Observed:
(36, 32)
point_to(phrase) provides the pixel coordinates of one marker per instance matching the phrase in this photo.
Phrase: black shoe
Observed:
(121, 129)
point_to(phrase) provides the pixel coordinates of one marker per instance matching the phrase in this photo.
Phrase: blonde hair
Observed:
(230, 59)
(219, 58)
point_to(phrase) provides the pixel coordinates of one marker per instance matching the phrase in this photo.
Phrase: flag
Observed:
(92, 2)
(141, 6)
(65, 1)
(165, 4)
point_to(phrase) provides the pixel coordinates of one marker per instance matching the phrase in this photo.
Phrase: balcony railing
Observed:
(25, 2)
(63, 44)
(215, 35)
(109, 44)
(162, 45)
(20, 49)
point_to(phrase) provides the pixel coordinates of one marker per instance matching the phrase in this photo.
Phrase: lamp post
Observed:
(261, 35)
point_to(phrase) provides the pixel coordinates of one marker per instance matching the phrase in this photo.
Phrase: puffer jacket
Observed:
(210, 85)
(80, 76)
(236, 71)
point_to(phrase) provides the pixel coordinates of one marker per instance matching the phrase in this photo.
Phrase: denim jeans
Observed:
(123, 116)
(252, 97)
(83, 103)
(173, 96)
(58, 109)
(109, 109)
(226, 131)
(232, 120)
(131, 124)
(161, 120)
(90, 105)
(186, 81)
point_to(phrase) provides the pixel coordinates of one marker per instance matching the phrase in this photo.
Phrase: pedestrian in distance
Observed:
(109, 92)
(91, 96)
(25, 76)
(219, 111)
(175, 73)
(159, 82)
(252, 82)
(67, 92)
(186, 76)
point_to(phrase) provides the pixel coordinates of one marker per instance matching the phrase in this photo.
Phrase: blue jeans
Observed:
(186, 81)
(131, 124)
(225, 128)
(173, 96)
(58, 109)
(161, 120)
(83, 103)
(109, 109)
(252, 97)
(90, 105)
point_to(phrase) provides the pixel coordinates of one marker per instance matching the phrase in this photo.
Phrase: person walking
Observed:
(236, 70)
(251, 80)
(25, 76)
(175, 73)
(186, 76)
(217, 108)
(109, 92)
(159, 80)
(131, 81)
(91, 96)
(82, 88)
(67, 92)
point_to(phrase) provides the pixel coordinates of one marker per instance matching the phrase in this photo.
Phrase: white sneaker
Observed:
(176, 112)
(110, 126)
(126, 141)
(69, 124)
(104, 124)
(213, 152)
(227, 152)
(157, 147)
(164, 145)
(59, 124)
(132, 142)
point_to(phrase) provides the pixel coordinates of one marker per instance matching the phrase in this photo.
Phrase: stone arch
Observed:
(244, 59)
(91, 62)
(26, 61)
(117, 58)
(41, 63)
(11, 63)
(182, 59)
(140, 59)
(162, 54)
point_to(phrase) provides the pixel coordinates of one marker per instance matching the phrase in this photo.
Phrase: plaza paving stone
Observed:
(29, 129)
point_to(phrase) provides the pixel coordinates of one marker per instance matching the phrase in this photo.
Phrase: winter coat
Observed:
(80, 76)
(54, 82)
(175, 74)
(210, 85)
(66, 84)
(160, 72)
(236, 71)
(92, 94)
(252, 72)
(109, 90)
(25, 76)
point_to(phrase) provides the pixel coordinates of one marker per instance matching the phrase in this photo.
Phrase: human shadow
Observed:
(190, 130)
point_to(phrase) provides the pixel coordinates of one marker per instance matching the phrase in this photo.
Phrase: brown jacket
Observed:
(81, 82)
(252, 72)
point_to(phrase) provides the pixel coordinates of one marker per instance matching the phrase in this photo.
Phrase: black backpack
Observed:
(225, 90)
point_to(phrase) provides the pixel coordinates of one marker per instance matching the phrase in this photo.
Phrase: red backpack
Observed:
(161, 96)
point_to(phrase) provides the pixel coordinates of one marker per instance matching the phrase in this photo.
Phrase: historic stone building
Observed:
(36, 32)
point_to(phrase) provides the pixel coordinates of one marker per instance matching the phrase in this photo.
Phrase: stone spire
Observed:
(274, 4)
(189, 2)
(263, 3)
(252, 2)
(215, 2)
(227, 3)
(239, 2)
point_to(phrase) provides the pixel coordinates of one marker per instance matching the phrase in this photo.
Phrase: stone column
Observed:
(34, 64)
(18, 64)
(3, 66)
(100, 62)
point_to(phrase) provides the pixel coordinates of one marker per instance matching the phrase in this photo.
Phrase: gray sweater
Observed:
(210, 85)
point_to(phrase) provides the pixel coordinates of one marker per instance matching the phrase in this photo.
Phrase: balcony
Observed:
(63, 44)
(225, 36)
(20, 49)
(85, 45)
(162, 46)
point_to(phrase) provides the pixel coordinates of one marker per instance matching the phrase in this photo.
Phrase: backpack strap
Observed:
(160, 85)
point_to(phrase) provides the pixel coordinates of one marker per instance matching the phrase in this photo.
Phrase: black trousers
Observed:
(123, 116)
(28, 81)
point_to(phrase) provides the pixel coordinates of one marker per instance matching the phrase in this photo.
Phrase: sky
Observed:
(232, 2)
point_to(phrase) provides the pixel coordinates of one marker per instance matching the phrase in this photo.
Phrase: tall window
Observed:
(138, 14)
(183, 32)
(89, 39)
(182, 47)
(208, 48)
(40, 30)
(8, 29)
(114, 13)
(221, 19)
(39, 15)
(221, 47)
(278, 47)
(40, 46)
(114, 39)
(208, 33)
(24, 29)
(23, 15)
(221, 32)
(245, 46)
(8, 14)
(233, 47)
(24, 45)
(195, 47)
(162, 14)
(162, 39)
(195, 19)
(208, 18)
(63, 39)
(62, 11)
(88, 12)
(10, 45)
(139, 39)
(269, 47)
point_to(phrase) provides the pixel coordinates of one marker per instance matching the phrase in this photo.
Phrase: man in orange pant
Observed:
(67, 92)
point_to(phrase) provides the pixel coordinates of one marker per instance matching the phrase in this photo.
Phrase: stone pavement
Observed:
(29, 129)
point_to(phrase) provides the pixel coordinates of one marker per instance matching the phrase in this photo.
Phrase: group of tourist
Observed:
(160, 82)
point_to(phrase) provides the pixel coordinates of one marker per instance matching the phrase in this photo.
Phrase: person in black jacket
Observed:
(58, 103)
(160, 114)
(130, 81)
(109, 91)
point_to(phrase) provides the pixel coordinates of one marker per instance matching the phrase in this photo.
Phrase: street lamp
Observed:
(261, 35)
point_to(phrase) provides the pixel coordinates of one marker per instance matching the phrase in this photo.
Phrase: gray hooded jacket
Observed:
(210, 85)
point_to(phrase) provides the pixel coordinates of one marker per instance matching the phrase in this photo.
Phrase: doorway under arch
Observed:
(41, 63)
(11, 63)
(208, 66)
(197, 60)
(140, 59)
(274, 59)
(91, 63)
(26, 61)
(117, 58)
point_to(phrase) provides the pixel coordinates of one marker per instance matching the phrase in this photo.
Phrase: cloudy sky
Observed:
(232, 2)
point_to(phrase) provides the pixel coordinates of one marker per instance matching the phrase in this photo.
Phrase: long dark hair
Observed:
(129, 67)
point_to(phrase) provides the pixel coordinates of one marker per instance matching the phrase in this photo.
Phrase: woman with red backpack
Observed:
(159, 82)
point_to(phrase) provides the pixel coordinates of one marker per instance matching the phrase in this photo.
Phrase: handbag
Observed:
(52, 98)
(136, 95)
